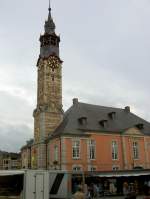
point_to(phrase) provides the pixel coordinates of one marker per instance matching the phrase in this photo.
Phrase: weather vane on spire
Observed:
(49, 5)
(49, 8)
(49, 23)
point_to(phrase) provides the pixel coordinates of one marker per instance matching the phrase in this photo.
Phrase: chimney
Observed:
(127, 109)
(75, 101)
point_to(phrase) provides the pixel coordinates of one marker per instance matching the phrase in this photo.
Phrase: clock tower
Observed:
(48, 113)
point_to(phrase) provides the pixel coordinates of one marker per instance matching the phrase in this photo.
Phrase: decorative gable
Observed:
(133, 131)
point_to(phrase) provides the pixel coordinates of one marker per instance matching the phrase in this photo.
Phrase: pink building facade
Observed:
(101, 150)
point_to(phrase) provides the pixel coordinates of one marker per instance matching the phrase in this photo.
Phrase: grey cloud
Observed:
(113, 97)
(13, 137)
(15, 109)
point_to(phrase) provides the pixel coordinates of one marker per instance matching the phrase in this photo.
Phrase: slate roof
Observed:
(95, 115)
(11, 155)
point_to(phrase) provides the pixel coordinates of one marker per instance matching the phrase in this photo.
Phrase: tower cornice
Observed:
(46, 58)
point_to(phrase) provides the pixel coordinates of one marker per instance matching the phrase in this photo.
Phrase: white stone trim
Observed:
(146, 148)
(63, 151)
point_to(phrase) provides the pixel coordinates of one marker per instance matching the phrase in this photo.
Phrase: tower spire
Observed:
(49, 40)
(49, 24)
(49, 4)
(49, 9)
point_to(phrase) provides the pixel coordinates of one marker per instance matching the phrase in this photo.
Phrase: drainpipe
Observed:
(46, 159)
(60, 152)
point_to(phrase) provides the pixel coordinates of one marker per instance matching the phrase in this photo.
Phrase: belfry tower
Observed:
(48, 113)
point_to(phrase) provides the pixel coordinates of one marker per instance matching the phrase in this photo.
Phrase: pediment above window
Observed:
(133, 131)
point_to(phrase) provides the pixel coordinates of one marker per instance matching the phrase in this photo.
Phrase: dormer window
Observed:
(82, 120)
(103, 123)
(112, 115)
(140, 126)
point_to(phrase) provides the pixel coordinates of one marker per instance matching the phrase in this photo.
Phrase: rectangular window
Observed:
(93, 168)
(76, 149)
(135, 150)
(115, 168)
(55, 153)
(76, 168)
(114, 150)
(92, 149)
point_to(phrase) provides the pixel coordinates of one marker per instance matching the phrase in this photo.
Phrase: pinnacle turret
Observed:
(49, 40)
(49, 24)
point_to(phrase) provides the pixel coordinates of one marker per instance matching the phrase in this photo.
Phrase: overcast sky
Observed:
(105, 46)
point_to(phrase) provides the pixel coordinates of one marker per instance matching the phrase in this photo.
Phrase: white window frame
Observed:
(76, 168)
(135, 148)
(92, 149)
(93, 168)
(114, 152)
(76, 149)
(115, 167)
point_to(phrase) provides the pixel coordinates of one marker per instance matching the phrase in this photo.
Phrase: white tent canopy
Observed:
(122, 173)
(11, 172)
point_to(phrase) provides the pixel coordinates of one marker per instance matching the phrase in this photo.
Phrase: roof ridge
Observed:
(144, 120)
(101, 106)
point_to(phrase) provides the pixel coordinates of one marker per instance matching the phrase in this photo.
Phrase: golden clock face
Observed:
(53, 62)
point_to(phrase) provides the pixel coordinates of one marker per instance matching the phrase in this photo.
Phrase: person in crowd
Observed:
(86, 192)
(146, 192)
(136, 186)
(125, 188)
(88, 195)
(91, 190)
(112, 188)
(75, 187)
(106, 187)
(132, 192)
(101, 190)
(79, 193)
(95, 190)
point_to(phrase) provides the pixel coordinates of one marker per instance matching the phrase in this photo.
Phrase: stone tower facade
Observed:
(48, 112)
